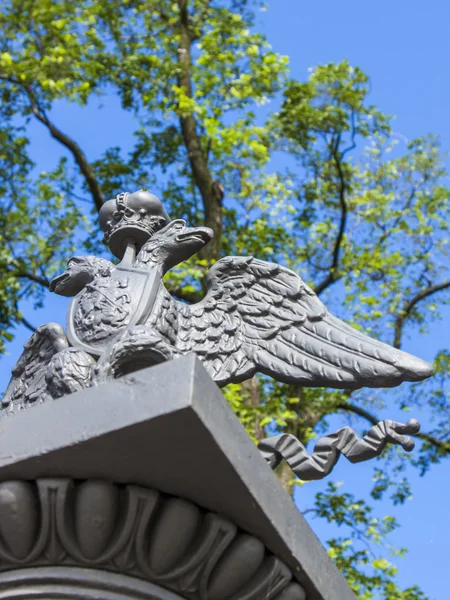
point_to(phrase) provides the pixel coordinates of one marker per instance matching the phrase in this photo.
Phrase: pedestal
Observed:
(149, 487)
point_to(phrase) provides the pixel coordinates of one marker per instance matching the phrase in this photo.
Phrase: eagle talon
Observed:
(139, 348)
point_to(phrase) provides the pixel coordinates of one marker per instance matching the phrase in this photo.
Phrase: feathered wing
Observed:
(28, 383)
(261, 317)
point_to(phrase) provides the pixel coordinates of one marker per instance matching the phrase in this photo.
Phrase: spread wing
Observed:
(28, 383)
(261, 317)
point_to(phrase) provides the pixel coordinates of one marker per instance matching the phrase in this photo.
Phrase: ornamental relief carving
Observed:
(74, 583)
(140, 533)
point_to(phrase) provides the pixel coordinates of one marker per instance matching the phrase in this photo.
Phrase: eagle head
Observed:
(80, 271)
(174, 244)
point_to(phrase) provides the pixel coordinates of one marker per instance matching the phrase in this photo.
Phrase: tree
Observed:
(320, 184)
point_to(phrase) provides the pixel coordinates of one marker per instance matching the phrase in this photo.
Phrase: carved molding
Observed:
(138, 532)
(72, 583)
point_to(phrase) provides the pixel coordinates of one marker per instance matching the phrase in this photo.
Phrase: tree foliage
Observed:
(306, 173)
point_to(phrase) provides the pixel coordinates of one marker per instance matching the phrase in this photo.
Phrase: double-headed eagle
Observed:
(255, 317)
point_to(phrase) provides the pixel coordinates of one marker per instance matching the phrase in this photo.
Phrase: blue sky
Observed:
(404, 47)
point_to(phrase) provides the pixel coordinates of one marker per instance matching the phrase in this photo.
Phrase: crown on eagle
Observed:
(131, 217)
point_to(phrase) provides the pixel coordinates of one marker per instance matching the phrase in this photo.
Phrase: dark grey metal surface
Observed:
(328, 449)
(131, 531)
(69, 583)
(256, 317)
(169, 428)
(131, 218)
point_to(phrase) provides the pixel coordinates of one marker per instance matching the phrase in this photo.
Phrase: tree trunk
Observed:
(210, 190)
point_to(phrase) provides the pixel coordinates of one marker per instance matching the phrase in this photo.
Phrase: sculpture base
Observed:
(77, 584)
(163, 433)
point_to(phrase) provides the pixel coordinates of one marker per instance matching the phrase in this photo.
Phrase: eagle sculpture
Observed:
(256, 317)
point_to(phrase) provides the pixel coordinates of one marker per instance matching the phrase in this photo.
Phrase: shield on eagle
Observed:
(112, 303)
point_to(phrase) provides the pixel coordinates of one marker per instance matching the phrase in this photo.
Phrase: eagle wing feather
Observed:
(28, 383)
(261, 317)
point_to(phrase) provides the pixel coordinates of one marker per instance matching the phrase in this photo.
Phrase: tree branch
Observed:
(409, 201)
(361, 412)
(196, 33)
(352, 145)
(27, 324)
(332, 276)
(409, 306)
(32, 277)
(18, 269)
(78, 155)
(211, 197)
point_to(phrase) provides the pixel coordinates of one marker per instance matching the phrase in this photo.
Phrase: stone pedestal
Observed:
(149, 487)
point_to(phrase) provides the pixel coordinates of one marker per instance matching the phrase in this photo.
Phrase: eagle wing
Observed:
(28, 382)
(261, 317)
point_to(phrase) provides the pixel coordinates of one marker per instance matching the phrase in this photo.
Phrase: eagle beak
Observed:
(200, 234)
(71, 281)
(205, 233)
(57, 283)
